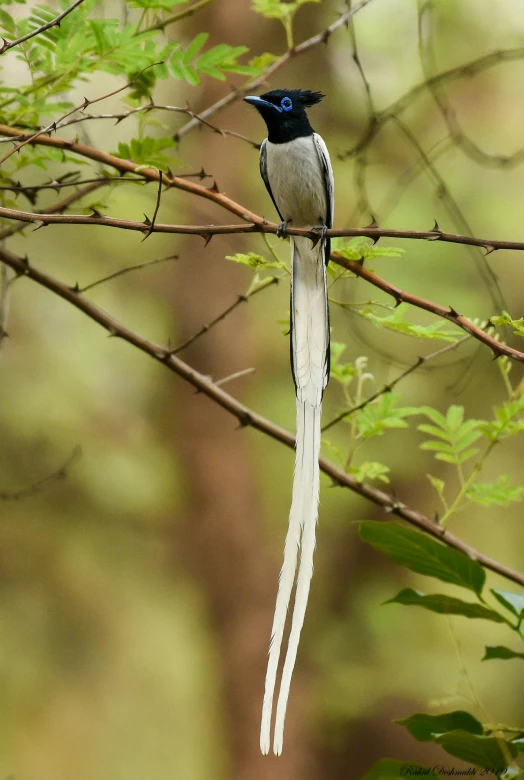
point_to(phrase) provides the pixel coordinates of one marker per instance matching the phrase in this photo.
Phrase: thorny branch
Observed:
(246, 416)
(54, 23)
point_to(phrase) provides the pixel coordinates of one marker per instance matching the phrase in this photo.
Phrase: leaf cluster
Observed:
(459, 733)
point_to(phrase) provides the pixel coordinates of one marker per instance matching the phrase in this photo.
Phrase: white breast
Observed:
(297, 181)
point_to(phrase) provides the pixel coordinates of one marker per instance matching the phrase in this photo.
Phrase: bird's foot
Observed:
(282, 228)
(322, 229)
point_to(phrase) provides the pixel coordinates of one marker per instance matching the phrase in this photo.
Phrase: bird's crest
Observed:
(308, 98)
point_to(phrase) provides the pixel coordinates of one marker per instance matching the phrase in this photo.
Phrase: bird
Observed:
(296, 169)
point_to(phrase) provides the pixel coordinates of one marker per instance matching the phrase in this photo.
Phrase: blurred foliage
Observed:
(110, 663)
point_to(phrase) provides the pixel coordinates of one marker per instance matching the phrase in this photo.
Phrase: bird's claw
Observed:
(322, 229)
(282, 229)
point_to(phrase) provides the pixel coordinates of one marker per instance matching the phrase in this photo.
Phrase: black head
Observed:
(284, 112)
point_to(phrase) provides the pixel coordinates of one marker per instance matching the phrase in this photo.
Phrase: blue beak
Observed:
(253, 100)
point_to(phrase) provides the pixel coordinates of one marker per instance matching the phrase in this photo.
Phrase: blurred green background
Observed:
(137, 592)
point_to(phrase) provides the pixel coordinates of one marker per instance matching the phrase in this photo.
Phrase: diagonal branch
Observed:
(54, 23)
(246, 416)
(321, 37)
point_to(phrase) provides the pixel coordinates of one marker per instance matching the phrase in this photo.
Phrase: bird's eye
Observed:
(286, 104)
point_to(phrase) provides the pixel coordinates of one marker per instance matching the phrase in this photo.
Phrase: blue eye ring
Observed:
(286, 104)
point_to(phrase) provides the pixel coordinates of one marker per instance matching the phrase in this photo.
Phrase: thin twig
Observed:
(162, 354)
(176, 17)
(390, 385)
(55, 23)
(126, 270)
(37, 487)
(151, 223)
(240, 299)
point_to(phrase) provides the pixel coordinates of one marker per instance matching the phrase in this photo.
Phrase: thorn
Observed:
(147, 221)
(397, 295)
(202, 174)
(436, 228)
(5, 46)
(120, 119)
(214, 187)
(244, 421)
(489, 249)
(207, 238)
(497, 353)
(326, 36)
(39, 224)
(95, 213)
(454, 312)
(373, 225)
(85, 103)
(112, 334)
(75, 288)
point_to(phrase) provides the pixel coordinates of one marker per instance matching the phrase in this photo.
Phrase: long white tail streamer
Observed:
(309, 344)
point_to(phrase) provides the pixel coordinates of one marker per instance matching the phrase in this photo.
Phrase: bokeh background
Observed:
(137, 591)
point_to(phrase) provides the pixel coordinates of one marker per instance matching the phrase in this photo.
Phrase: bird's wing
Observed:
(263, 173)
(329, 185)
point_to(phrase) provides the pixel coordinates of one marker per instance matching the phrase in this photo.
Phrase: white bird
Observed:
(296, 169)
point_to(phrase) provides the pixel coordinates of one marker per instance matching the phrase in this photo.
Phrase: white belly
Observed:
(297, 181)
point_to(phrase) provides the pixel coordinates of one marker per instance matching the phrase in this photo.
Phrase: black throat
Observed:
(282, 129)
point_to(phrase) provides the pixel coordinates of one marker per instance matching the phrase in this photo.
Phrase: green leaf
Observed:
(425, 728)
(478, 750)
(419, 552)
(512, 601)
(390, 769)
(438, 484)
(491, 493)
(194, 47)
(360, 249)
(253, 260)
(396, 322)
(370, 470)
(500, 652)
(506, 319)
(343, 373)
(445, 605)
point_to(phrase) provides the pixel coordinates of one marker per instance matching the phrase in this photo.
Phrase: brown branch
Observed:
(57, 207)
(497, 347)
(54, 23)
(246, 416)
(321, 37)
(205, 231)
(258, 223)
(127, 166)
